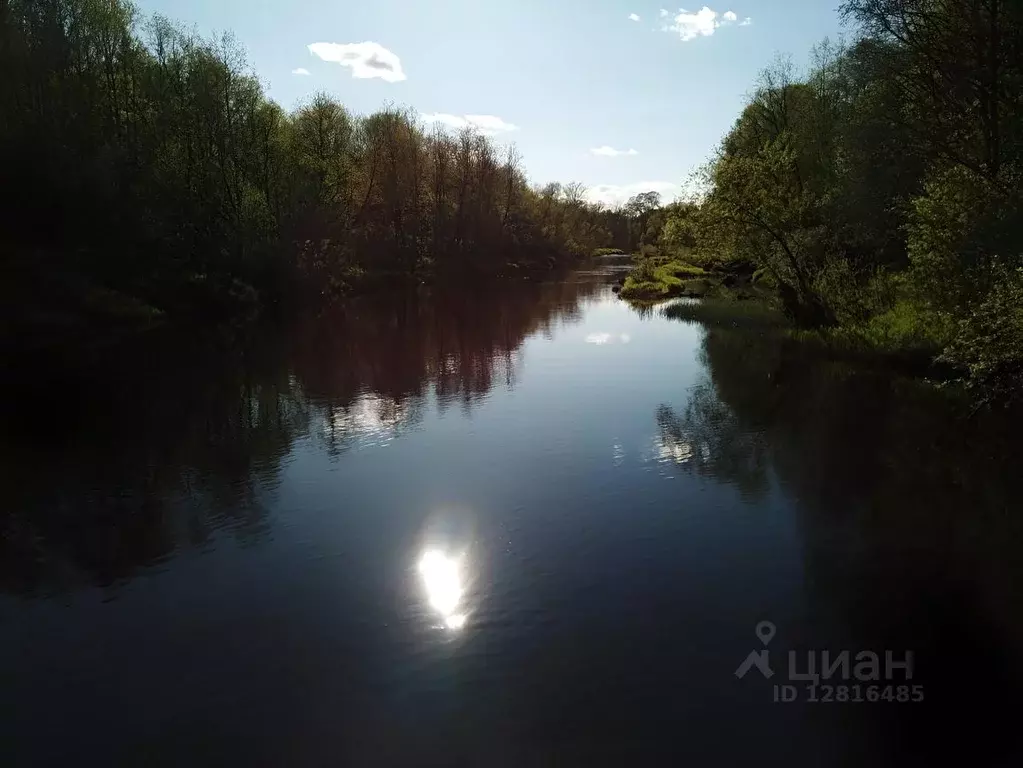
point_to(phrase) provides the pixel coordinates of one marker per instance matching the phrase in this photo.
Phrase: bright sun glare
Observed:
(442, 578)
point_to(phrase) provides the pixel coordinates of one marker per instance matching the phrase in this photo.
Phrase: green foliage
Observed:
(903, 334)
(763, 278)
(652, 281)
(679, 269)
(878, 191)
(988, 342)
(636, 289)
(676, 233)
(959, 229)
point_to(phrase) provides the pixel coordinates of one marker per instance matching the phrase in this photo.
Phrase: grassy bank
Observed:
(895, 340)
(652, 281)
(750, 315)
(901, 336)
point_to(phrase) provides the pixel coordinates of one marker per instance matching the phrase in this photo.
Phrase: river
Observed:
(523, 525)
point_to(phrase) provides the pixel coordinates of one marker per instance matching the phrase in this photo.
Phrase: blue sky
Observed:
(559, 79)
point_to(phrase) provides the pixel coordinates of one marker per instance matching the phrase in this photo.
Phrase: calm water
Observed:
(526, 526)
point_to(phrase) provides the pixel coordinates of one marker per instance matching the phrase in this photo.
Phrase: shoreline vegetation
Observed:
(157, 183)
(876, 193)
(740, 299)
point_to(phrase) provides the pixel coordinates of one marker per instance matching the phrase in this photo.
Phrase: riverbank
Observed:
(737, 298)
(58, 312)
(840, 344)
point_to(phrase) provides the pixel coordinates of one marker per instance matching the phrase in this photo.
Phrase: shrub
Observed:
(958, 229)
(988, 342)
(764, 279)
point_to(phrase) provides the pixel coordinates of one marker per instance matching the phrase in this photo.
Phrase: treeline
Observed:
(151, 161)
(880, 189)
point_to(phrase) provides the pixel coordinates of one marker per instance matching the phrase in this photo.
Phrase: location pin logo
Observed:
(765, 631)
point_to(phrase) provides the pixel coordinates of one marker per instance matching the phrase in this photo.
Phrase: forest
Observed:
(878, 189)
(154, 177)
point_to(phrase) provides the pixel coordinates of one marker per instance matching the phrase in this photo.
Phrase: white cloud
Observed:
(633, 17)
(615, 194)
(366, 59)
(300, 71)
(746, 22)
(702, 23)
(607, 151)
(607, 338)
(489, 125)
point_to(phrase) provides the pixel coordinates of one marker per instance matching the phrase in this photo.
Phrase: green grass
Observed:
(726, 313)
(652, 282)
(608, 252)
(681, 269)
(903, 336)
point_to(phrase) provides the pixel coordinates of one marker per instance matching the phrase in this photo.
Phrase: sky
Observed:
(624, 96)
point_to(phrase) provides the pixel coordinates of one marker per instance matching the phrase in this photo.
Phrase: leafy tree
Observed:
(880, 187)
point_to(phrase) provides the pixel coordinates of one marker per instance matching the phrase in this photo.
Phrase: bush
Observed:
(906, 328)
(957, 229)
(878, 316)
(988, 343)
(764, 279)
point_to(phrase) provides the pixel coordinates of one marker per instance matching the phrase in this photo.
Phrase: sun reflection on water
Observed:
(443, 580)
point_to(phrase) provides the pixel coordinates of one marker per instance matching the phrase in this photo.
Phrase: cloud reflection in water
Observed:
(607, 338)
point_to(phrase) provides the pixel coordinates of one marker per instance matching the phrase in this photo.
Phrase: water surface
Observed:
(524, 525)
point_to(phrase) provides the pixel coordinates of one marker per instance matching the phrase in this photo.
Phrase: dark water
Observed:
(526, 526)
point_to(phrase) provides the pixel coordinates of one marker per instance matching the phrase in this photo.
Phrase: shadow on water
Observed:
(909, 520)
(173, 445)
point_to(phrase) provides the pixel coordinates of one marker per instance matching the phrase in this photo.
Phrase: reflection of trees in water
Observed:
(862, 449)
(721, 432)
(645, 311)
(840, 437)
(909, 512)
(709, 440)
(374, 363)
(367, 420)
(173, 447)
(161, 453)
